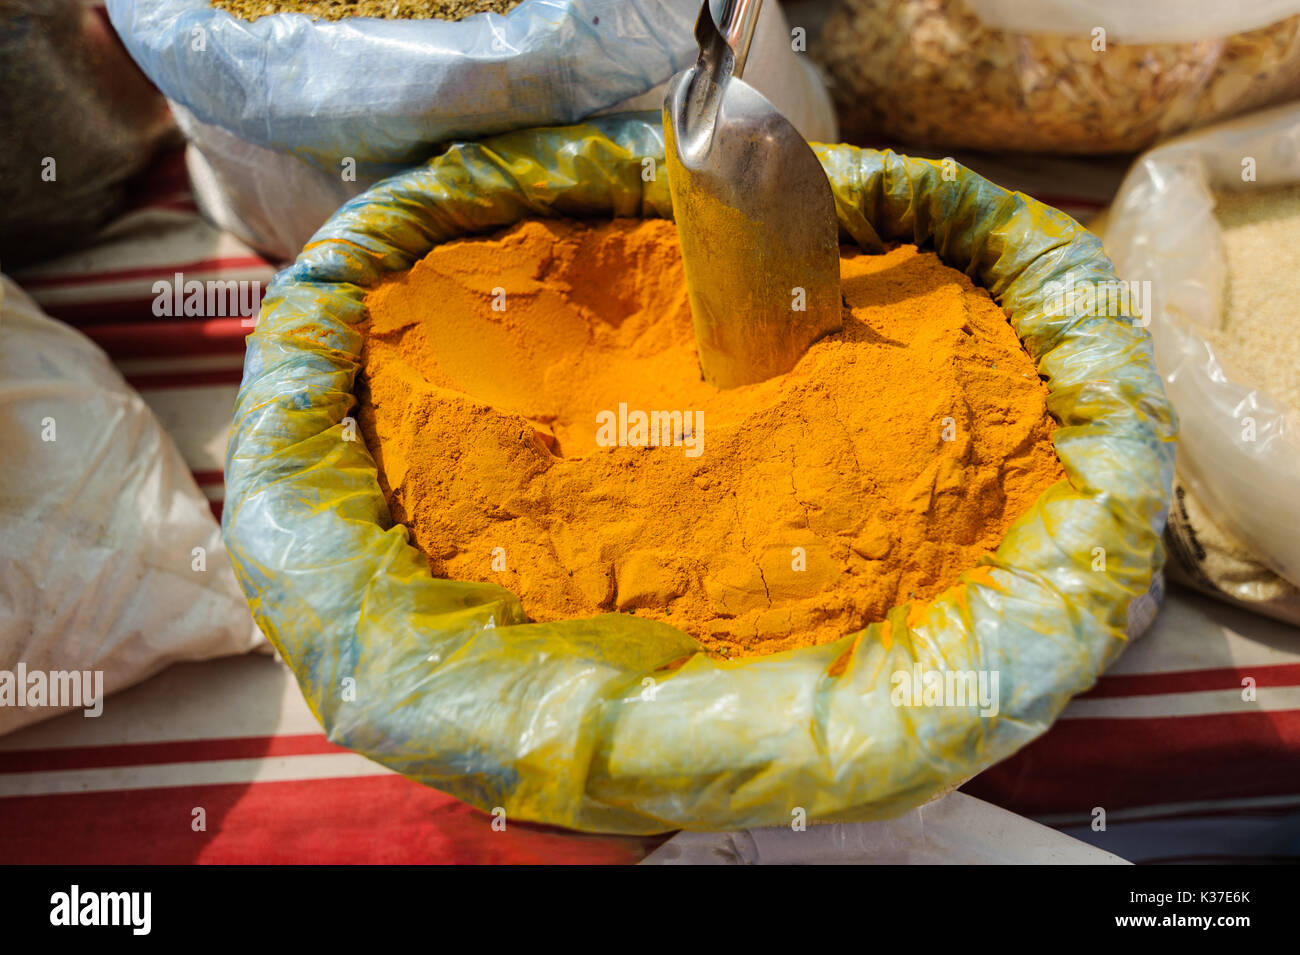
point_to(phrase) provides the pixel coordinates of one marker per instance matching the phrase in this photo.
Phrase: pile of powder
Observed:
(383, 9)
(1259, 340)
(792, 512)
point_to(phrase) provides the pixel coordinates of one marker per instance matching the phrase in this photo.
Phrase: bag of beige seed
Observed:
(1209, 224)
(1059, 76)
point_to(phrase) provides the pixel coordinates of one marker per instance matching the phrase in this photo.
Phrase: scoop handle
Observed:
(739, 17)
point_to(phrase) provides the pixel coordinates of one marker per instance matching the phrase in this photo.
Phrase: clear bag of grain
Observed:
(1212, 221)
(291, 116)
(1077, 76)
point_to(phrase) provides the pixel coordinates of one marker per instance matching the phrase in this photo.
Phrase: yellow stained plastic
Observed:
(579, 723)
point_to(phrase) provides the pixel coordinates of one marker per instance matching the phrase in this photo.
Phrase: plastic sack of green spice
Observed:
(292, 116)
(448, 683)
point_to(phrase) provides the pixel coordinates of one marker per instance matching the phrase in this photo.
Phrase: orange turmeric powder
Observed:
(505, 390)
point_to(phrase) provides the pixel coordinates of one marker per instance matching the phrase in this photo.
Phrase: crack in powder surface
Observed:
(884, 465)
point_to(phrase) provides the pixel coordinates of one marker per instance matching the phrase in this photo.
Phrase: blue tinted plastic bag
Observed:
(383, 91)
(293, 116)
(584, 723)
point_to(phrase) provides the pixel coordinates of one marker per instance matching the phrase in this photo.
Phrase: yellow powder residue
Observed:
(792, 512)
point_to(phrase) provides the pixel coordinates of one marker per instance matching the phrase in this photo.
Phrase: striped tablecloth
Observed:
(187, 369)
(231, 743)
(1190, 743)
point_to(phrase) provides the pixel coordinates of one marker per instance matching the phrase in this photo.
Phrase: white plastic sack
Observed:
(1162, 229)
(99, 524)
(275, 106)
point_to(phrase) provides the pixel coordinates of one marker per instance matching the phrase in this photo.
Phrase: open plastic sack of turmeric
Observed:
(639, 720)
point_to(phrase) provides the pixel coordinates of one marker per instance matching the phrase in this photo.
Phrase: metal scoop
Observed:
(754, 212)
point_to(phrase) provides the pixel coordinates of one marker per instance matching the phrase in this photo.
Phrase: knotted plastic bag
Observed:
(111, 565)
(583, 723)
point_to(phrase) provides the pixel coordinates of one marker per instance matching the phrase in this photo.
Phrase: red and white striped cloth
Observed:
(1190, 744)
(187, 369)
(232, 744)
(1183, 766)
